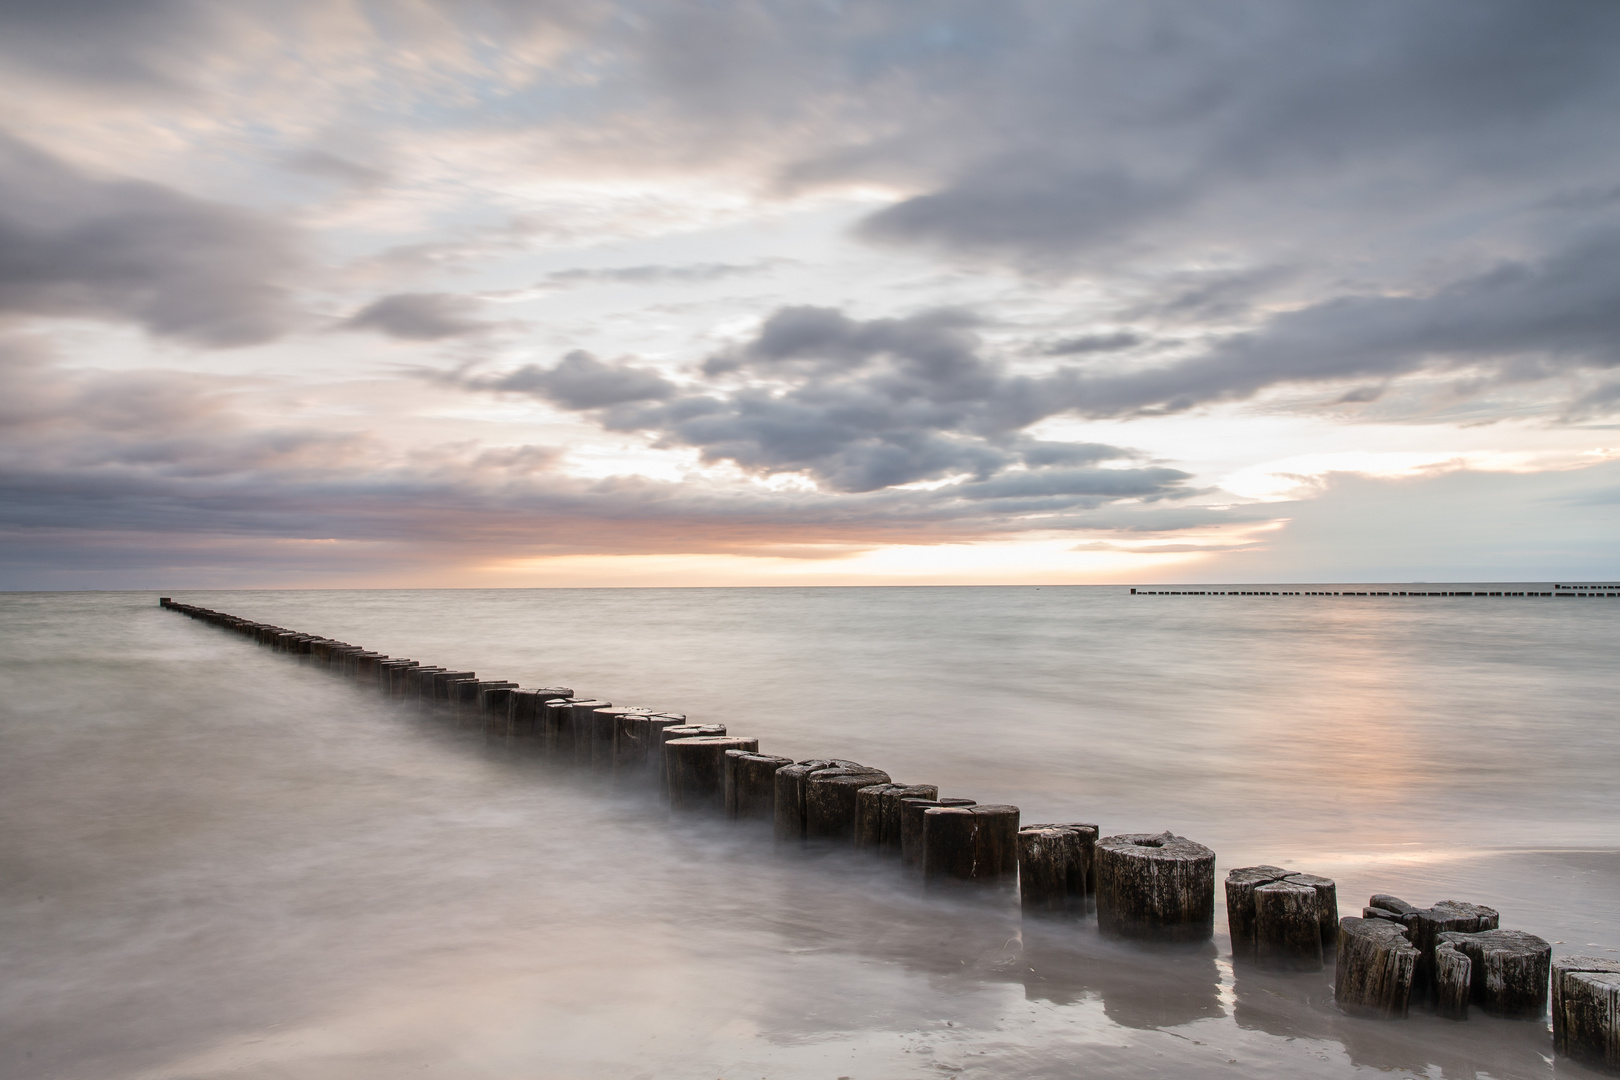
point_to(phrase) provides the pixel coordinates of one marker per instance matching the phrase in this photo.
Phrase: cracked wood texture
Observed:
(1155, 887)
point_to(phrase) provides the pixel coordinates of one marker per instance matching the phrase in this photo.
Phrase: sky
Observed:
(419, 293)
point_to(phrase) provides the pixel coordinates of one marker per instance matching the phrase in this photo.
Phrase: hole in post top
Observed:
(1152, 842)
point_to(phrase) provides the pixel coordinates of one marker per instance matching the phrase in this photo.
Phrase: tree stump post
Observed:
(1241, 914)
(581, 718)
(911, 828)
(995, 843)
(829, 801)
(751, 791)
(525, 708)
(1453, 980)
(697, 770)
(947, 843)
(1508, 972)
(604, 724)
(1426, 926)
(682, 731)
(1054, 868)
(653, 729)
(789, 809)
(1586, 1010)
(1155, 887)
(869, 815)
(1372, 975)
(557, 728)
(1288, 934)
(889, 807)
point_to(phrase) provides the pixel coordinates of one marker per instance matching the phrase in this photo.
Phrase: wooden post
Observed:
(580, 719)
(494, 706)
(789, 809)
(1288, 934)
(653, 732)
(1453, 978)
(557, 728)
(525, 709)
(995, 843)
(869, 815)
(829, 801)
(697, 770)
(630, 736)
(1427, 924)
(889, 803)
(1240, 906)
(1586, 1010)
(947, 843)
(1373, 973)
(681, 731)
(1054, 868)
(1508, 971)
(751, 786)
(1155, 887)
(912, 850)
(604, 724)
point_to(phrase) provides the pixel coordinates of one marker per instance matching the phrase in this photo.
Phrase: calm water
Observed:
(215, 862)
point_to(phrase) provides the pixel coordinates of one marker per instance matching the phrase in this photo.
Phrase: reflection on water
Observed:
(213, 862)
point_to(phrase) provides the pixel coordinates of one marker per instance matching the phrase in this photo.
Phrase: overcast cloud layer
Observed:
(305, 291)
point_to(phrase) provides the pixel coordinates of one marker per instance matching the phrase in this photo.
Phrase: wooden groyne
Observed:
(1140, 886)
(1557, 592)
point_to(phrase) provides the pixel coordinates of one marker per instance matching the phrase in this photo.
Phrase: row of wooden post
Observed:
(1155, 887)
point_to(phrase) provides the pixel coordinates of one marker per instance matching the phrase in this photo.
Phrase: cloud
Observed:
(1093, 343)
(656, 274)
(580, 381)
(419, 317)
(200, 272)
(859, 405)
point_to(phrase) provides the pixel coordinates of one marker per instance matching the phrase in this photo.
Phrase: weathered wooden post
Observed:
(889, 807)
(1586, 1010)
(1424, 927)
(581, 721)
(1155, 887)
(631, 743)
(604, 726)
(1372, 975)
(1281, 944)
(790, 780)
(652, 729)
(911, 827)
(869, 815)
(1453, 980)
(1288, 933)
(1054, 868)
(829, 801)
(524, 719)
(947, 843)
(1508, 971)
(751, 785)
(557, 727)
(995, 843)
(673, 732)
(697, 777)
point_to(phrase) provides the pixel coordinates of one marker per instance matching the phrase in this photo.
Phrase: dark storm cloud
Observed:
(860, 405)
(1120, 122)
(185, 268)
(419, 317)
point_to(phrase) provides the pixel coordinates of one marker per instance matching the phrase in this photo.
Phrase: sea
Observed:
(219, 861)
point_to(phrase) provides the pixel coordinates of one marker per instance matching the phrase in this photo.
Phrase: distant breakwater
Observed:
(1448, 958)
(1558, 592)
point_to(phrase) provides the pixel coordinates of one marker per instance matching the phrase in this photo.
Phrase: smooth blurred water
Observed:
(215, 861)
